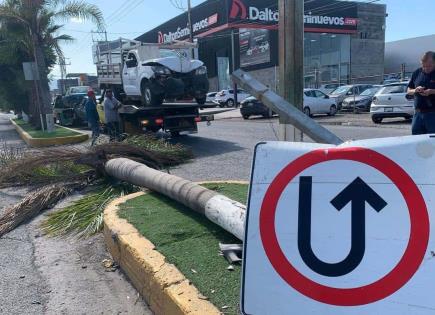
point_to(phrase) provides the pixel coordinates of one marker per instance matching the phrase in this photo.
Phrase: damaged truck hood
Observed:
(182, 65)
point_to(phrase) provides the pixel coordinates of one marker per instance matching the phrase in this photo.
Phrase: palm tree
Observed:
(37, 21)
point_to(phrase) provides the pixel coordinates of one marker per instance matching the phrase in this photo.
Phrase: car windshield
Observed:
(370, 92)
(79, 90)
(341, 90)
(394, 89)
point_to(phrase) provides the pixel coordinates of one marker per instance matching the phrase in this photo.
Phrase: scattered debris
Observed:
(232, 252)
(432, 253)
(194, 271)
(202, 297)
(109, 265)
(230, 268)
(22, 277)
(213, 291)
(36, 302)
(84, 267)
(225, 307)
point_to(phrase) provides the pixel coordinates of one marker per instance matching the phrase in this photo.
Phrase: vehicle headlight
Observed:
(201, 70)
(161, 70)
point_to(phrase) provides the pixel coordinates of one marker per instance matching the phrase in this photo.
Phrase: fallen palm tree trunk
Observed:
(227, 213)
(33, 204)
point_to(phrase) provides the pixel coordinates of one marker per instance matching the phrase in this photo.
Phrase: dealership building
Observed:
(344, 41)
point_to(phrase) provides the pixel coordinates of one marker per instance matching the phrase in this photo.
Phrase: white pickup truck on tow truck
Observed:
(148, 79)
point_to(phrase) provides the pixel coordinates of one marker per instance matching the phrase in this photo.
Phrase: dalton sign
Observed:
(318, 13)
(344, 230)
(218, 15)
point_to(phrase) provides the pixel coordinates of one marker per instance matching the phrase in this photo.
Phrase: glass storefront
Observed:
(326, 59)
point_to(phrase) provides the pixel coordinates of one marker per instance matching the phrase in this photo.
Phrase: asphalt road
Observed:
(41, 275)
(225, 149)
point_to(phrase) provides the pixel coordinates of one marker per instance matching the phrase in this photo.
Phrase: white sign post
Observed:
(341, 230)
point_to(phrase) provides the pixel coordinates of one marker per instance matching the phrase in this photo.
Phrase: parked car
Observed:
(317, 102)
(392, 101)
(360, 102)
(65, 109)
(82, 89)
(209, 103)
(225, 98)
(345, 91)
(253, 107)
(328, 88)
(210, 97)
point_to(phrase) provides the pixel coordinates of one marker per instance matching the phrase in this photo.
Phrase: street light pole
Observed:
(291, 61)
(189, 19)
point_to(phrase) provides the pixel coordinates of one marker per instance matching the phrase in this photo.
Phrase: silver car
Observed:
(345, 91)
(392, 102)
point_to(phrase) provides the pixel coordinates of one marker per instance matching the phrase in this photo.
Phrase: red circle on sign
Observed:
(384, 287)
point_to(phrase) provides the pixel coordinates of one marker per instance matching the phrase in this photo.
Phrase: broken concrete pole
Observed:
(228, 214)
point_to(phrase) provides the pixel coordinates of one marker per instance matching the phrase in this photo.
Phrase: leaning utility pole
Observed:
(291, 61)
(62, 65)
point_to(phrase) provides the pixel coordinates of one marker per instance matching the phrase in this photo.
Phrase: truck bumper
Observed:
(186, 86)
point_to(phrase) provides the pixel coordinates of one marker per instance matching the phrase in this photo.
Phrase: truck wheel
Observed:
(201, 101)
(175, 134)
(148, 97)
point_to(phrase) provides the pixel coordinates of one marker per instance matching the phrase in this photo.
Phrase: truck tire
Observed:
(148, 97)
(201, 101)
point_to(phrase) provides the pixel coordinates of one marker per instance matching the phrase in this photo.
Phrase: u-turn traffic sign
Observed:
(341, 230)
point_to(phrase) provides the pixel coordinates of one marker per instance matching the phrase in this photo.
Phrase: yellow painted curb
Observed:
(161, 284)
(48, 142)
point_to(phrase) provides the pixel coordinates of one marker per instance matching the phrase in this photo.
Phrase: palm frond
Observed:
(84, 217)
(33, 204)
(81, 10)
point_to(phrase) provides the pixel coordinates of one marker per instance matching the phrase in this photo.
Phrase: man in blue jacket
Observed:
(422, 86)
(92, 115)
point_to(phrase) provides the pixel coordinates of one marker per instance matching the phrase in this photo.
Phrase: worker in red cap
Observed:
(92, 115)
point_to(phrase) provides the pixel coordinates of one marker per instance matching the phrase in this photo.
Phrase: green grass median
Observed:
(191, 242)
(59, 132)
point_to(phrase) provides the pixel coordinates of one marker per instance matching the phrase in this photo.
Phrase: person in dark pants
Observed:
(111, 106)
(422, 87)
(92, 115)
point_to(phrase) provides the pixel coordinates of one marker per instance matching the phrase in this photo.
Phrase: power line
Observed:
(133, 6)
(111, 33)
(117, 10)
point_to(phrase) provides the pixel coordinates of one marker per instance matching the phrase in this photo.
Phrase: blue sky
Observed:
(130, 18)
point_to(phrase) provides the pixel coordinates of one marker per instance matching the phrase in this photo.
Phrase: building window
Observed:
(326, 59)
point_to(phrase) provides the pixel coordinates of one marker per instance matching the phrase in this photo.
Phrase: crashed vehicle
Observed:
(153, 82)
(151, 73)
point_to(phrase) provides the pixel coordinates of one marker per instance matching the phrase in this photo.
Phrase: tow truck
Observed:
(153, 82)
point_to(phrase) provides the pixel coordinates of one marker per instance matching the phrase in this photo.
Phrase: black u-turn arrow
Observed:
(358, 193)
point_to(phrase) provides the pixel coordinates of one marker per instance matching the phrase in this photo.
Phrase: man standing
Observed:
(92, 115)
(422, 87)
(111, 106)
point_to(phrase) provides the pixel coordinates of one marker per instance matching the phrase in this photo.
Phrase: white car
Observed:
(392, 102)
(317, 102)
(225, 98)
(210, 97)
